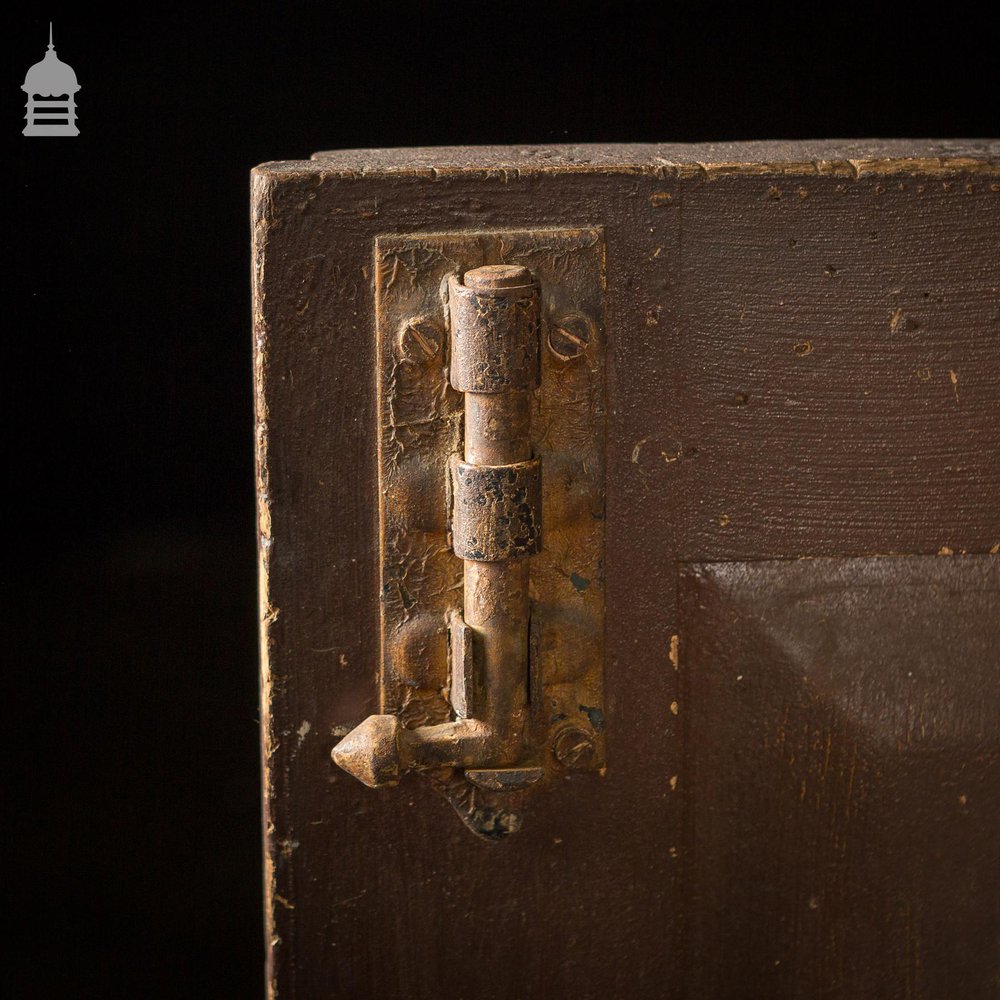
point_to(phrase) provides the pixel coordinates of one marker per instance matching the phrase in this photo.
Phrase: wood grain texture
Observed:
(841, 777)
(851, 158)
(780, 384)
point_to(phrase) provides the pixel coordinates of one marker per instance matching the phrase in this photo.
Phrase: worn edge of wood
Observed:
(846, 158)
(260, 203)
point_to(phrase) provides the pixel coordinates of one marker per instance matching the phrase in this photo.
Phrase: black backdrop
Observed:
(131, 822)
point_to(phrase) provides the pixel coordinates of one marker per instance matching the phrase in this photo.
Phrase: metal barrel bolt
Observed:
(495, 526)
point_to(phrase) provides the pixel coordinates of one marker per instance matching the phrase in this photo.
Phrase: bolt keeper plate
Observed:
(420, 443)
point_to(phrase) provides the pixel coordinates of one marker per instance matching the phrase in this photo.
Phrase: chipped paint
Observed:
(663, 162)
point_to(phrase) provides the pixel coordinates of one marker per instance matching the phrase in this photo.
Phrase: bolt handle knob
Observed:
(371, 751)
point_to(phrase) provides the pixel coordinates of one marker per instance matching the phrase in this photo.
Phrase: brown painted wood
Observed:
(804, 360)
(840, 775)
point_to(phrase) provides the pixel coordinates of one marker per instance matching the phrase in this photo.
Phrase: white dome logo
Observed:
(51, 88)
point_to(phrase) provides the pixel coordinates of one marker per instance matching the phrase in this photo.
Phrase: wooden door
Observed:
(801, 621)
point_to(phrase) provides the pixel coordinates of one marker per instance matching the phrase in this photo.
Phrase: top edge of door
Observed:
(850, 157)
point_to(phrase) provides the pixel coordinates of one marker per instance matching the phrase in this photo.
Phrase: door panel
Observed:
(840, 772)
(803, 361)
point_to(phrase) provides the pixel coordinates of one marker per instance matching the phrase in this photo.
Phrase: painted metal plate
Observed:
(420, 430)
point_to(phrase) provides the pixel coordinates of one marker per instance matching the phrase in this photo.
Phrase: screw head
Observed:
(420, 339)
(569, 337)
(574, 748)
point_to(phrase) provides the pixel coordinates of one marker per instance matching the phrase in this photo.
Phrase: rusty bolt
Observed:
(569, 337)
(371, 751)
(493, 276)
(420, 339)
(574, 748)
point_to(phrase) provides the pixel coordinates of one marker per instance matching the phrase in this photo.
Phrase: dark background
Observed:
(128, 571)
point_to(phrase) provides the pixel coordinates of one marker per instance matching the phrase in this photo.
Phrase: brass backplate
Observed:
(420, 429)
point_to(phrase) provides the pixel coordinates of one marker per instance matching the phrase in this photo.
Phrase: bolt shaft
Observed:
(496, 601)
